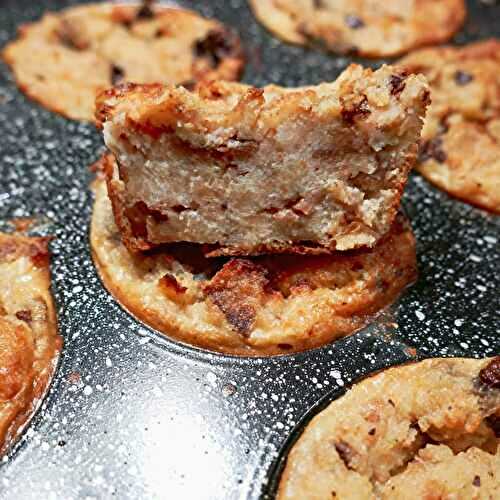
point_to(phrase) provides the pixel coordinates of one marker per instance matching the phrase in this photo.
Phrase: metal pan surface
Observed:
(132, 414)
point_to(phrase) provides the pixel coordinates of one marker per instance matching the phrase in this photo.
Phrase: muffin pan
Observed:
(132, 414)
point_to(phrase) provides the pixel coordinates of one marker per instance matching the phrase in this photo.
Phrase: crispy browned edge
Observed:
(43, 381)
(231, 68)
(455, 21)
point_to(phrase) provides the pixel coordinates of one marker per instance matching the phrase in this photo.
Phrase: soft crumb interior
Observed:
(308, 166)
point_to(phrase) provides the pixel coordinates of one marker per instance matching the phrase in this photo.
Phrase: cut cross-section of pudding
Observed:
(249, 171)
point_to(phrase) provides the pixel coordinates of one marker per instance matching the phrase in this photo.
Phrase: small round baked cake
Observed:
(460, 152)
(251, 306)
(427, 430)
(65, 58)
(29, 342)
(368, 28)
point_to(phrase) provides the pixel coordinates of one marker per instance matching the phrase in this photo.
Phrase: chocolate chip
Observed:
(397, 83)
(179, 209)
(216, 45)
(372, 431)
(476, 481)
(345, 452)
(318, 4)
(188, 84)
(354, 110)
(353, 22)
(145, 10)
(443, 126)
(67, 41)
(24, 315)
(117, 74)
(432, 149)
(490, 374)
(463, 78)
(494, 424)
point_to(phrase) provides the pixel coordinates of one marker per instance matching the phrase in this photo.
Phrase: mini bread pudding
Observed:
(248, 171)
(271, 304)
(29, 342)
(370, 28)
(461, 136)
(429, 430)
(65, 58)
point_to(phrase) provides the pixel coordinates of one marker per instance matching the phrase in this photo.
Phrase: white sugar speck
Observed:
(88, 390)
(420, 315)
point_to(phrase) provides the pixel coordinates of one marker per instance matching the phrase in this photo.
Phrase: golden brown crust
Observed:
(63, 60)
(423, 430)
(312, 169)
(29, 343)
(369, 28)
(461, 137)
(253, 306)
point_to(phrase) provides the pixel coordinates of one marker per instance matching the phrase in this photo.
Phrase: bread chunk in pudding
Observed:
(247, 170)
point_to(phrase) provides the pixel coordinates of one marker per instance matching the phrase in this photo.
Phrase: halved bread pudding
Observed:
(248, 171)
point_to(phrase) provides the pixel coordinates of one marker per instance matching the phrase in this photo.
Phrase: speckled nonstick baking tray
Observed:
(132, 414)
